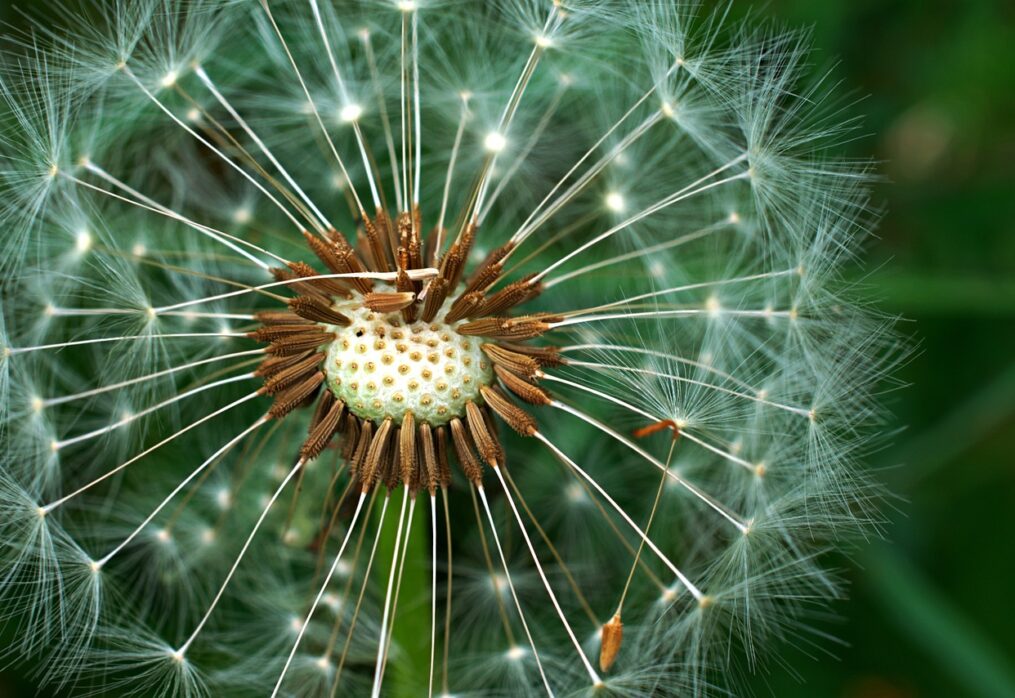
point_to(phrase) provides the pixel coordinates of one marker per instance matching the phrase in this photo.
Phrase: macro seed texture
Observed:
(382, 366)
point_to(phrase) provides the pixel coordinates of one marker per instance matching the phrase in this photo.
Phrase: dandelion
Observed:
(424, 348)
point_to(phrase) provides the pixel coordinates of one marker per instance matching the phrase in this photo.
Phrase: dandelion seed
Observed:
(628, 324)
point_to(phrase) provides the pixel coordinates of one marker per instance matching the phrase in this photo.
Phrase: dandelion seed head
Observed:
(353, 354)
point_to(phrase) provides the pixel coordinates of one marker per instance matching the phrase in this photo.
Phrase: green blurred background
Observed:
(932, 608)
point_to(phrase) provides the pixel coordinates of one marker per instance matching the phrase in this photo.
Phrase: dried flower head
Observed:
(277, 276)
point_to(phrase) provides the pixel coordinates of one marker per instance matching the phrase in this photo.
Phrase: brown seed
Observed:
(525, 327)
(496, 257)
(374, 458)
(513, 361)
(325, 287)
(322, 432)
(406, 285)
(484, 278)
(451, 266)
(463, 244)
(464, 306)
(513, 415)
(443, 469)
(330, 255)
(270, 333)
(511, 295)
(486, 443)
(392, 462)
(377, 240)
(293, 374)
(436, 292)
(532, 394)
(278, 317)
(426, 448)
(324, 402)
(611, 637)
(366, 435)
(407, 448)
(466, 457)
(388, 301)
(346, 256)
(312, 308)
(273, 364)
(291, 398)
(304, 287)
(545, 355)
(299, 343)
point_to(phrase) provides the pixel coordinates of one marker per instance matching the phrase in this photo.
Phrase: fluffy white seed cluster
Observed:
(683, 405)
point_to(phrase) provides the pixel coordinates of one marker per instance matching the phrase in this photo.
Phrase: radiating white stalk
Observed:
(510, 109)
(708, 499)
(681, 312)
(389, 138)
(381, 519)
(590, 174)
(433, 591)
(148, 410)
(175, 435)
(652, 418)
(462, 119)
(641, 252)
(11, 351)
(691, 287)
(53, 311)
(313, 107)
(690, 381)
(143, 202)
(398, 585)
(197, 471)
(537, 133)
(669, 200)
(346, 101)
(596, 681)
(49, 402)
(378, 667)
(203, 76)
(595, 146)
(415, 111)
(246, 175)
(660, 355)
(753, 467)
(236, 562)
(402, 108)
(511, 587)
(690, 586)
(317, 599)
(414, 274)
